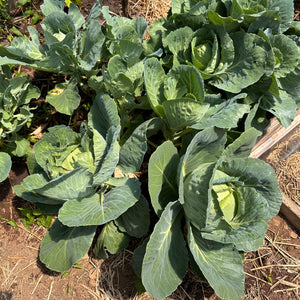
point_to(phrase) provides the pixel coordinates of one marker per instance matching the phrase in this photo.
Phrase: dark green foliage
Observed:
(186, 107)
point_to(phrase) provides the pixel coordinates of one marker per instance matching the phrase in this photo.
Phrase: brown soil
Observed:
(272, 272)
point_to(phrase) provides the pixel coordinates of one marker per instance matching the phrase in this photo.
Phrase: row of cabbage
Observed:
(185, 106)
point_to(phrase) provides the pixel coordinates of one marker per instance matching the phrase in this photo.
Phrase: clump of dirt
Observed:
(285, 160)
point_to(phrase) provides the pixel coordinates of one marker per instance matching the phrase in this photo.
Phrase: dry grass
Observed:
(269, 260)
(285, 160)
(149, 9)
(274, 267)
(113, 274)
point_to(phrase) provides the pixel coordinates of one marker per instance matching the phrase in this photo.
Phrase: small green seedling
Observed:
(31, 215)
(10, 222)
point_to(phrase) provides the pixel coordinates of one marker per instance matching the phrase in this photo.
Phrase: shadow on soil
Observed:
(5, 296)
(9, 202)
(117, 279)
(45, 270)
(5, 189)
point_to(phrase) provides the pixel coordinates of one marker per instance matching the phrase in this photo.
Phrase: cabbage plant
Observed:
(186, 105)
(71, 177)
(75, 47)
(180, 98)
(15, 111)
(72, 46)
(237, 47)
(213, 203)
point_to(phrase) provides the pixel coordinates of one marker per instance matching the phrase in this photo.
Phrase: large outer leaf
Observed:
(64, 97)
(166, 259)
(105, 121)
(76, 16)
(130, 52)
(184, 81)
(154, 76)
(283, 106)
(103, 114)
(119, 86)
(116, 65)
(137, 258)
(267, 20)
(5, 165)
(285, 11)
(242, 146)
(287, 54)
(136, 219)
(197, 194)
(227, 117)
(95, 11)
(62, 246)
(22, 51)
(290, 84)
(182, 113)
(26, 190)
(115, 241)
(72, 185)
(229, 23)
(133, 151)
(205, 147)
(7, 57)
(50, 6)
(221, 265)
(178, 42)
(106, 166)
(253, 59)
(91, 43)
(110, 239)
(162, 171)
(99, 147)
(100, 209)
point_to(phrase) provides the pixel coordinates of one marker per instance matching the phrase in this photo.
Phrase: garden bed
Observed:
(272, 272)
(280, 147)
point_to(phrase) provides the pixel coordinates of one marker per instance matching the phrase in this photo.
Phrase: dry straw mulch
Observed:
(149, 9)
(285, 159)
